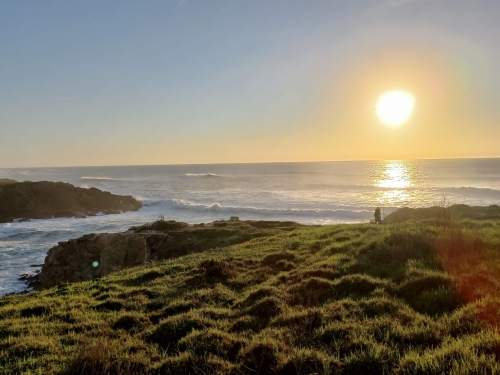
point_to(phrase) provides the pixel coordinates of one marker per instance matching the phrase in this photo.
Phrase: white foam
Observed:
(357, 214)
(202, 175)
(92, 178)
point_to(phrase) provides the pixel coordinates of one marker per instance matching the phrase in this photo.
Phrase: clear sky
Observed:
(203, 81)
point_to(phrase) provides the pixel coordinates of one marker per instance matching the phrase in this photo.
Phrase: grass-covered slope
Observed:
(344, 299)
(443, 214)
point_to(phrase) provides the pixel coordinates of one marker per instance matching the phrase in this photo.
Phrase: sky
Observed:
(232, 81)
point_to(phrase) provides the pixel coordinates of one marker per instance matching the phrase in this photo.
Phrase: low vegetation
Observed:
(160, 225)
(7, 181)
(412, 298)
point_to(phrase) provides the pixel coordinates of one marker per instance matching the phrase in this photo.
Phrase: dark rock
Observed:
(96, 255)
(46, 200)
(31, 280)
(92, 256)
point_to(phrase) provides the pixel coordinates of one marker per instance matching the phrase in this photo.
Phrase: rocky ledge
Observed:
(96, 255)
(46, 200)
(92, 256)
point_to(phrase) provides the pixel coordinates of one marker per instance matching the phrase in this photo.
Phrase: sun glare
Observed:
(395, 107)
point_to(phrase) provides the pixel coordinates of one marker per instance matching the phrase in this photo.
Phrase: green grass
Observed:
(160, 225)
(276, 299)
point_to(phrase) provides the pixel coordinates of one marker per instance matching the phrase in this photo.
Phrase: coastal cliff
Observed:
(46, 200)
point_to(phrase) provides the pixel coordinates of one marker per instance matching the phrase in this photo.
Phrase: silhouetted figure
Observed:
(378, 217)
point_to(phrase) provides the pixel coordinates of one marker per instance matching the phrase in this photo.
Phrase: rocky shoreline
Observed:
(47, 200)
(94, 256)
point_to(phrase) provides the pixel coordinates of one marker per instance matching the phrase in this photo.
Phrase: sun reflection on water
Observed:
(394, 174)
(396, 178)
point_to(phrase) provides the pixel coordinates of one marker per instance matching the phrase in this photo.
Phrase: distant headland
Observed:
(47, 200)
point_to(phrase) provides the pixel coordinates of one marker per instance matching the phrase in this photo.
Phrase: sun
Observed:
(394, 108)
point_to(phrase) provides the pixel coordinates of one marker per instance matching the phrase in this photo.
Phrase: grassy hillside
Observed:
(443, 214)
(342, 299)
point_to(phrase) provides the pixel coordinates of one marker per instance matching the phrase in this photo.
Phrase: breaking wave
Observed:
(472, 192)
(339, 214)
(92, 178)
(201, 175)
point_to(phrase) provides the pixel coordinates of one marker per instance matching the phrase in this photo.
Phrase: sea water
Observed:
(309, 193)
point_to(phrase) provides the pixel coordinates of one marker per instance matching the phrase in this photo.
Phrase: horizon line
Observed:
(244, 163)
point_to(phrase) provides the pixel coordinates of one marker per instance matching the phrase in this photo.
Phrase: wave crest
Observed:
(92, 178)
(201, 175)
(339, 214)
(473, 192)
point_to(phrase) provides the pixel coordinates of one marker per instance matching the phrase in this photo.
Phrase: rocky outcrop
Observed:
(97, 255)
(92, 256)
(45, 200)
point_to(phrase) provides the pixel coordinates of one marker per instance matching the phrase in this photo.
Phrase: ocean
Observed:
(309, 193)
